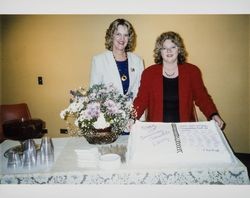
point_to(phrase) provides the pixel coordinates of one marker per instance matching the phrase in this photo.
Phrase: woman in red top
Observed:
(170, 88)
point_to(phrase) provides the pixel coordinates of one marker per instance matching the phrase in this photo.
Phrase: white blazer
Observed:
(104, 70)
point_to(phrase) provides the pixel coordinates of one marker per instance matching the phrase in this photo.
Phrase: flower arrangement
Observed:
(99, 107)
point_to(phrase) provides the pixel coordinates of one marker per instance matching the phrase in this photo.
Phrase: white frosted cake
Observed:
(152, 143)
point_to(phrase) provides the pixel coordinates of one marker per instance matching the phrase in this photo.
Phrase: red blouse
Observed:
(191, 91)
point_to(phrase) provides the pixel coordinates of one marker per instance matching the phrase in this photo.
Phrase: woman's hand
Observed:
(219, 121)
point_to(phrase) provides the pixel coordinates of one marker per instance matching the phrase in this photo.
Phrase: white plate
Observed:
(110, 161)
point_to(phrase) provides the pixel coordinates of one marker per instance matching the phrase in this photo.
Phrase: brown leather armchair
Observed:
(18, 117)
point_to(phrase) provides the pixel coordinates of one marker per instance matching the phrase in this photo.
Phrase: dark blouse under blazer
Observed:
(191, 90)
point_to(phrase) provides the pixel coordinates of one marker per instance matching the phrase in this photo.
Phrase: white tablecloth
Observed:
(66, 171)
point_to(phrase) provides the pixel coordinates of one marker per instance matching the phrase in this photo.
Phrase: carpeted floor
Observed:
(245, 159)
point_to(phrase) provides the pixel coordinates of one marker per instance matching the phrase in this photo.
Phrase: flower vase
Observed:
(101, 136)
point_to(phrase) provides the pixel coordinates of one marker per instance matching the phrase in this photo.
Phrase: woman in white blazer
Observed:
(118, 65)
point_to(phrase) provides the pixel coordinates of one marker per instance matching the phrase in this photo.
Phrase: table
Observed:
(66, 171)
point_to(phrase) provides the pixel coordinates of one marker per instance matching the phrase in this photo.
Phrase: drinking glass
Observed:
(39, 158)
(29, 153)
(29, 144)
(14, 160)
(47, 151)
(29, 159)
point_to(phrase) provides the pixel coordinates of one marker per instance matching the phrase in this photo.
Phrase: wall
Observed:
(60, 47)
(0, 62)
(249, 72)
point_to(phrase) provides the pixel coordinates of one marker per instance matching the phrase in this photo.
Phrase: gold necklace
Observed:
(123, 76)
(123, 58)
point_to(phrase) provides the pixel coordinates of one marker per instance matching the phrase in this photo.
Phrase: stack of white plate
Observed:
(87, 158)
(110, 161)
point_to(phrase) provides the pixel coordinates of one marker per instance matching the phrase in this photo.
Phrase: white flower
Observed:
(101, 123)
(76, 122)
(63, 114)
(100, 107)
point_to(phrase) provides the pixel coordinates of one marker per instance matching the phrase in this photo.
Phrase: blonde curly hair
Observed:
(110, 34)
(177, 40)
